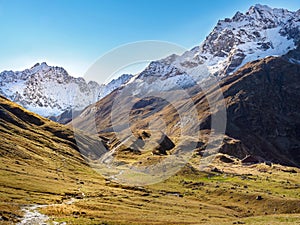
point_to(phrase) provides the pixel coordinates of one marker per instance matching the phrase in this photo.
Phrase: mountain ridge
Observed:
(259, 32)
(51, 91)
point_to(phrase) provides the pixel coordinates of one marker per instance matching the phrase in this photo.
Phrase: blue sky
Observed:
(74, 34)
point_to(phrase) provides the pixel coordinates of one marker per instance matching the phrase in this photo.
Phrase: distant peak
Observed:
(44, 64)
(41, 65)
(262, 7)
(35, 65)
(259, 8)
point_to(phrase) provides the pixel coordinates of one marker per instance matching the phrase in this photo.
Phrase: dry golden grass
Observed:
(191, 197)
(39, 165)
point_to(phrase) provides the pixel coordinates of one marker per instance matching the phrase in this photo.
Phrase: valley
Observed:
(44, 167)
(207, 137)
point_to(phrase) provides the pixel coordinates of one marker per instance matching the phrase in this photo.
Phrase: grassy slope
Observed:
(39, 164)
(38, 160)
(193, 197)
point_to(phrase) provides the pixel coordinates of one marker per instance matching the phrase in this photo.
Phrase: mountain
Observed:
(51, 91)
(262, 103)
(260, 32)
(47, 90)
(255, 56)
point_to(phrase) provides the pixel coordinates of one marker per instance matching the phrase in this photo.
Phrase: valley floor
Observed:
(233, 194)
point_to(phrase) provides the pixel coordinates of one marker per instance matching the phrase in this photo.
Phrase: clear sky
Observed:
(74, 34)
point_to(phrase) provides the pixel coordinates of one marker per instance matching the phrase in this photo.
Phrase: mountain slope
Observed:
(113, 85)
(262, 104)
(262, 101)
(39, 160)
(40, 167)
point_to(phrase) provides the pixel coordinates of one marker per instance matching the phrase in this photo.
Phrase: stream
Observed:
(32, 216)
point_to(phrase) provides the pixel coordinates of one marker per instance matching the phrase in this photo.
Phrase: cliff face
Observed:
(263, 101)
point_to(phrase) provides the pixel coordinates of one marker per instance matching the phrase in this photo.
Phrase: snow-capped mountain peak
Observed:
(46, 90)
(50, 91)
(260, 32)
(40, 67)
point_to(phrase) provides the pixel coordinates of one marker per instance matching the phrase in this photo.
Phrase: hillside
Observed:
(43, 172)
(262, 100)
(207, 137)
(40, 161)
